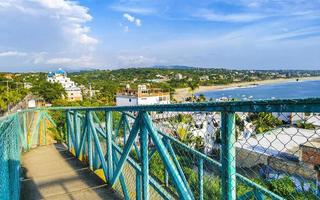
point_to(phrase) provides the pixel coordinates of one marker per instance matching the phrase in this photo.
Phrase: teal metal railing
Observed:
(151, 152)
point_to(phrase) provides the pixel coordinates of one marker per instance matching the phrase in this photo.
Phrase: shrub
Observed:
(283, 186)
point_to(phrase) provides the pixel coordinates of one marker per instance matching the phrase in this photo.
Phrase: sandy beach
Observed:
(182, 93)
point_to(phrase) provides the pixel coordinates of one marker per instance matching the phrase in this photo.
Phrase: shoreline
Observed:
(181, 93)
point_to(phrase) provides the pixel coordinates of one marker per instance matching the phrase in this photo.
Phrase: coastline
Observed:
(181, 93)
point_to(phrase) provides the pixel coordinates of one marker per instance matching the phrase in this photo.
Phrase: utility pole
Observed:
(90, 91)
(8, 109)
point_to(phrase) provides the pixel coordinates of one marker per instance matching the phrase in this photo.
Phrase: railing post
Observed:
(76, 132)
(227, 156)
(108, 118)
(200, 178)
(89, 139)
(144, 160)
(68, 130)
(44, 130)
(138, 186)
(25, 132)
(124, 130)
(258, 195)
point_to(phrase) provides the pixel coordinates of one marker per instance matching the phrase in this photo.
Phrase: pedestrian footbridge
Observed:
(194, 151)
(52, 172)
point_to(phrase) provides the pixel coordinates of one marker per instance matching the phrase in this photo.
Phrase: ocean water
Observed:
(300, 89)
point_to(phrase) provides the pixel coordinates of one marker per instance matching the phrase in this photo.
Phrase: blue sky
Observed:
(242, 34)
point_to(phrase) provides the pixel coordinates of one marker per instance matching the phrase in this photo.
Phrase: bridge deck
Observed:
(50, 172)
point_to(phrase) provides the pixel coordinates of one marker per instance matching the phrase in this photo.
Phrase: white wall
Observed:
(74, 94)
(152, 100)
(32, 103)
(148, 100)
(126, 101)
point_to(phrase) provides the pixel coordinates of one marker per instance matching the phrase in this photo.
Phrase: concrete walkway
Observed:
(51, 172)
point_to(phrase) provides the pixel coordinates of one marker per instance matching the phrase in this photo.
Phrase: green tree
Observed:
(264, 121)
(283, 186)
(193, 86)
(303, 124)
(49, 91)
(202, 98)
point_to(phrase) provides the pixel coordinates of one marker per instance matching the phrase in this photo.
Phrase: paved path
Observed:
(50, 172)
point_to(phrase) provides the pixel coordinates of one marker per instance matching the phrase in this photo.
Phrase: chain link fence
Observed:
(188, 152)
(9, 157)
(278, 151)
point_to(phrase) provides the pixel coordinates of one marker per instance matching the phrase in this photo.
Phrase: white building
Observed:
(27, 85)
(204, 78)
(178, 76)
(60, 76)
(142, 96)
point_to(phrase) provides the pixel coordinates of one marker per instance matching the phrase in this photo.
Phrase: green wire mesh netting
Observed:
(18, 133)
(275, 153)
(9, 157)
(278, 152)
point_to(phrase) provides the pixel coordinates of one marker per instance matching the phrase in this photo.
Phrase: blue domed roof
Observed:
(50, 74)
(60, 71)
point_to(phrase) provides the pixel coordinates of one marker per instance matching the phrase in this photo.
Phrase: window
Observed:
(129, 100)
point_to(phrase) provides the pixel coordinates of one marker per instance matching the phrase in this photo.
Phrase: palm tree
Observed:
(198, 143)
(265, 122)
(184, 135)
(193, 86)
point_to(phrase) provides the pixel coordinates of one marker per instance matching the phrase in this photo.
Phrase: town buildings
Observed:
(178, 76)
(142, 96)
(72, 90)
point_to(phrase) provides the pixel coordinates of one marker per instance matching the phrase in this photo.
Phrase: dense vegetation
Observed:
(49, 91)
(107, 82)
(264, 121)
(11, 91)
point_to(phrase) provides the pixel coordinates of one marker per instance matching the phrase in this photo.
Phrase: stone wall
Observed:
(250, 159)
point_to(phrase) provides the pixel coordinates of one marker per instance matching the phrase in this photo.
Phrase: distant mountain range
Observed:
(172, 67)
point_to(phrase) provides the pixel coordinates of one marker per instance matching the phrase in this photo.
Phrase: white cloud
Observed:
(59, 61)
(132, 19)
(57, 27)
(237, 17)
(12, 53)
(128, 17)
(4, 4)
(135, 60)
(126, 29)
(135, 10)
(72, 17)
(138, 22)
(71, 61)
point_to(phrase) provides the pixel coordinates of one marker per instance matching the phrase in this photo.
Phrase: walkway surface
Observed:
(51, 172)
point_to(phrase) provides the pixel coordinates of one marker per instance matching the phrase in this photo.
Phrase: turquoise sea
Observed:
(296, 89)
